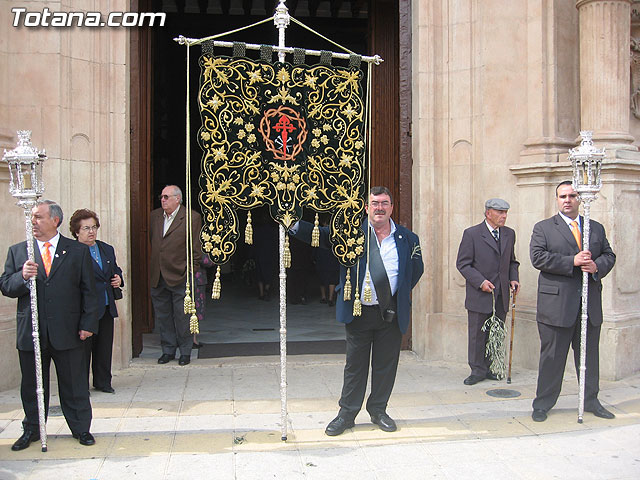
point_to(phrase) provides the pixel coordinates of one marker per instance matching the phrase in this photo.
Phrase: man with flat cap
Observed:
(487, 260)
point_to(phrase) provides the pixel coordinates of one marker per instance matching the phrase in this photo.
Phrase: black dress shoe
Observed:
(165, 358)
(184, 360)
(85, 438)
(492, 376)
(385, 422)
(25, 440)
(473, 379)
(539, 415)
(600, 411)
(196, 345)
(337, 426)
(106, 389)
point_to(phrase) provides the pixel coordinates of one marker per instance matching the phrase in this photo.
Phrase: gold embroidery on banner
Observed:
(289, 136)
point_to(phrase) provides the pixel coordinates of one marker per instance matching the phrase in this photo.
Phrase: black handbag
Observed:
(117, 293)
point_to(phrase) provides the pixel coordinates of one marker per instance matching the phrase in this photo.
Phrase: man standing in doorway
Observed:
(67, 316)
(395, 266)
(556, 250)
(487, 260)
(167, 232)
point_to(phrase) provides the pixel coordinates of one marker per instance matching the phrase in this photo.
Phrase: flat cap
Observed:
(496, 204)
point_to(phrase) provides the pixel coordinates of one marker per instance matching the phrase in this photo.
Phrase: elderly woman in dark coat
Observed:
(84, 225)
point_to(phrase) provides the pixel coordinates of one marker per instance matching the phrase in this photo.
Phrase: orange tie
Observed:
(46, 258)
(576, 233)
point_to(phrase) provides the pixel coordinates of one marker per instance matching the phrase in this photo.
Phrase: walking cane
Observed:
(513, 323)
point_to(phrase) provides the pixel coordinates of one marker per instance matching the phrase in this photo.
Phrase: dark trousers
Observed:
(172, 322)
(369, 338)
(476, 350)
(98, 352)
(72, 387)
(554, 348)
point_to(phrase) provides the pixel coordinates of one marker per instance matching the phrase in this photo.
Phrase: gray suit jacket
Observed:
(67, 301)
(479, 259)
(552, 249)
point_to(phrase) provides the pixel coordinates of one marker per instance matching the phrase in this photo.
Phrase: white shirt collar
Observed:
(491, 229)
(53, 241)
(569, 220)
(173, 214)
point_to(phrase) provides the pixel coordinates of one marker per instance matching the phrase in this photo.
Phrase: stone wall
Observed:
(498, 96)
(70, 87)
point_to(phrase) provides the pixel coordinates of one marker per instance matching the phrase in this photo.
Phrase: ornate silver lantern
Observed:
(586, 163)
(25, 167)
(26, 185)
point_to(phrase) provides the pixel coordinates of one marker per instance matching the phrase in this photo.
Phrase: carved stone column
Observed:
(604, 71)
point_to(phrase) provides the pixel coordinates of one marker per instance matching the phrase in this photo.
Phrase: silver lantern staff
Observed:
(27, 186)
(586, 163)
(281, 21)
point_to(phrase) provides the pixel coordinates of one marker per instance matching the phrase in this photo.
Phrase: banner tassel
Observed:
(347, 287)
(215, 291)
(315, 234)
(248, 231)
(286, 256)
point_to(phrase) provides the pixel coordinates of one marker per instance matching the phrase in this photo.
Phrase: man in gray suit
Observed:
(487, 260)
(556, 250)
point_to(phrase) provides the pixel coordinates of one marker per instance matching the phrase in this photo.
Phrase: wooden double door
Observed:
(157, 93)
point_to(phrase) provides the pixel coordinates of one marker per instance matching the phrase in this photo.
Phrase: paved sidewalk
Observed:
(220, 419)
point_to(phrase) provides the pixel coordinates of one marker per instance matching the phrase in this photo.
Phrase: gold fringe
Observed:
(193, 323)
(315, 234)
(357, 306)
(286, 256)
(347, 287)
(215, 291)
(248, 231)
(367, 295)
(187, 299)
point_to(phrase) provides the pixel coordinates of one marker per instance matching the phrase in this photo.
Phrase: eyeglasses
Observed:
(384, 204)
(165, 197)
(93, 228)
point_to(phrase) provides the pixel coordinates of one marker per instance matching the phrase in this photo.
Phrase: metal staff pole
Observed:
(27, 186)
(586, 163)
(513, 324)
(281, 21)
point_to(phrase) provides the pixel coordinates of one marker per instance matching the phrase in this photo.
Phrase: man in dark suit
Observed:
(487, 260)
(67, 313)
(395, 267)
(167, 232)
(556, 250)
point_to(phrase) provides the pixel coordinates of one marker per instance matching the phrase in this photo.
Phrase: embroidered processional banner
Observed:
(288, 136)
